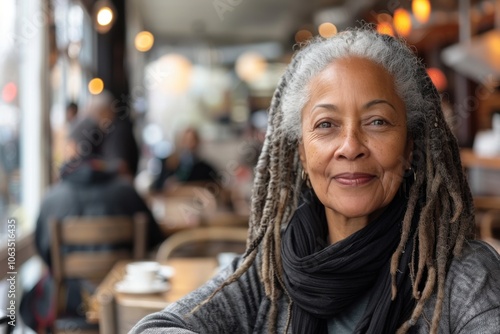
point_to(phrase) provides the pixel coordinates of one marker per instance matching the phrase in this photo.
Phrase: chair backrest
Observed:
(87, 247)
(224, 236)
(102, 235)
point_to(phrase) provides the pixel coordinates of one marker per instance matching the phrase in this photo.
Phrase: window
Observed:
(24, 154)
(10, 120)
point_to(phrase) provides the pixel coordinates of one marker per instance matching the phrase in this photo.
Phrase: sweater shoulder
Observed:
(477, 258)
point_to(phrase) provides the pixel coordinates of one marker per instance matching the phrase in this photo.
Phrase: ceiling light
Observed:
(96, 86)
(104, 16)
(144, 41)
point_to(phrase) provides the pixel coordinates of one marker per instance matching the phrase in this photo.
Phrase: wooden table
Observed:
(119, 312)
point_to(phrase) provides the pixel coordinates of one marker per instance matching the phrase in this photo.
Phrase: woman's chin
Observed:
(354, 209)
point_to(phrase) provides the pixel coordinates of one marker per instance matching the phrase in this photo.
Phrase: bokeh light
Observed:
(144, 41)
(385, 28)
(402, 22)
(9, 92)
(104, 16)
(175, 71)
(250, 66)
(438, 78)
(96, 86)
(303, 35)
(327, 29)
(421, 9)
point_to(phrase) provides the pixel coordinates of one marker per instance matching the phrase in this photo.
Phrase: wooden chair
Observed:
(226, 238)
(99, 234)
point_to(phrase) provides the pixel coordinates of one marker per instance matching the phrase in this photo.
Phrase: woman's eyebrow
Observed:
(378, 101)
(327, 106)
(368, 105)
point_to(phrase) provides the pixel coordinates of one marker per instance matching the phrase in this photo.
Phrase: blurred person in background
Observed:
(242, 182)
(71, 112)
(114, 119)
(89, 186)
(184, 165)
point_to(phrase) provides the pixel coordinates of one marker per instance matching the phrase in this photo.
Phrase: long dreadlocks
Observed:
(445, 211)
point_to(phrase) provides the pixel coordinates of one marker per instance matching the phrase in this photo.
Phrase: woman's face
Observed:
(354, 143)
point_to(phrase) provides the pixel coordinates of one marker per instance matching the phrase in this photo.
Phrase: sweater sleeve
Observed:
(476, 293)
(232, 310)
(472, 295)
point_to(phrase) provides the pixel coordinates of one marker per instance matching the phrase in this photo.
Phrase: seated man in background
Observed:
(88, 186)
(184, 164)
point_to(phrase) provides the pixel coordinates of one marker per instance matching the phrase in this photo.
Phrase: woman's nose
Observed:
(351, 145)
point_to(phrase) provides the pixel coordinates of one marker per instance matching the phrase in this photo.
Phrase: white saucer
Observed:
(131, 287)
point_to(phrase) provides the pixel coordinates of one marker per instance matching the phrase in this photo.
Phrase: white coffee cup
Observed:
(142, 273)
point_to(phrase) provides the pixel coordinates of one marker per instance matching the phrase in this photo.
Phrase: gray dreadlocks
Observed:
(446, 217)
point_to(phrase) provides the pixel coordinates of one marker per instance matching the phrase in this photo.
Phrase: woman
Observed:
(362, 220)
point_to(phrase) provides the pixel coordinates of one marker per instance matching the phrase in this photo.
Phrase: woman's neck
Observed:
(341, 227)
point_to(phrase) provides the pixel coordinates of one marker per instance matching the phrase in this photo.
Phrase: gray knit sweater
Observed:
(471, 302)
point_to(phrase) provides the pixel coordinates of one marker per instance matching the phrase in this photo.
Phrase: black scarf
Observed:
(323, 280)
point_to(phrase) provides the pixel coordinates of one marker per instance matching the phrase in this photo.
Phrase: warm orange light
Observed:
(327, 29)
(250, 66)
(144, 41)
(385, 28)
(421, 9)
(96, 86)
(9, 92)
(303, 35)
(438, 78)
(402, 22)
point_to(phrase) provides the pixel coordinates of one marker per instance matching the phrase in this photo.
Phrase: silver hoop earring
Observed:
(303, 175)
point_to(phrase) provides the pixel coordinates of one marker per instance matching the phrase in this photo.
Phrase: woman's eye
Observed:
(324, 125)
(379, 122)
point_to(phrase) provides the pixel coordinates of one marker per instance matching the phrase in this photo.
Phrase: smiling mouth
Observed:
(353, 179)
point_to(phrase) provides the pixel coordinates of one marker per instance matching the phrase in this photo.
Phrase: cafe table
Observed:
(117, 312)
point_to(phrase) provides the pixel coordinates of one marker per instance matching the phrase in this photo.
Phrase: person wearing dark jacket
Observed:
(185, 164)
(114, 121)
(88, 186)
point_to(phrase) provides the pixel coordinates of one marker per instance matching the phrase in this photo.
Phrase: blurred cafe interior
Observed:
(193, 76)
